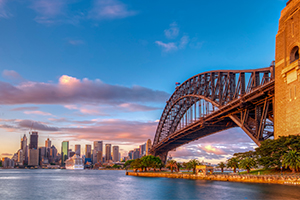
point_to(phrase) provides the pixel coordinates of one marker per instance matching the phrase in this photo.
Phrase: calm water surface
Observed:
(98, 184)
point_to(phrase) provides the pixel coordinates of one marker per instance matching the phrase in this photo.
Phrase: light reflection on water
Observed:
(99, 184)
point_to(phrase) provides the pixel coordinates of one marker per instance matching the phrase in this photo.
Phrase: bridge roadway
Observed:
(233, 114)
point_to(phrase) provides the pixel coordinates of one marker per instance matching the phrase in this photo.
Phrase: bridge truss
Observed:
(214, 101)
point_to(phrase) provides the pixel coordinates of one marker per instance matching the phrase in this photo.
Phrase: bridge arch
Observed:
(217, 90)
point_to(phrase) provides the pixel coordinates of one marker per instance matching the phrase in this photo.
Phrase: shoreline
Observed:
(266, 179)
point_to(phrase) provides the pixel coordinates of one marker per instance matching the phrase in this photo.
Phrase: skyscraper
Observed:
(148, 147)
(88, 151)
(115, 156)
(24, 148)
(136, 153)
(33, 140)
(98, 146)
(64, 152)
(107, 152)
(33, 152)
(77, 149)
(142, 150)
(48, 143)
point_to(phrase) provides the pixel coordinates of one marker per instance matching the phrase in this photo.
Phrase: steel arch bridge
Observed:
(214, 101)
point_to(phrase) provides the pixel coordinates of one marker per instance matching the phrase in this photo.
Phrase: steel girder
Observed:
(220, 89)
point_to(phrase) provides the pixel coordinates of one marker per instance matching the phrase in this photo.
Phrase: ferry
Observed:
(74, 162)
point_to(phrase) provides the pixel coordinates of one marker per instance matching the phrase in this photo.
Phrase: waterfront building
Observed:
(43, 156)
(107, 152)
(53, 155)
(136, 153)
(148, 147)
(20, 157)
(130, 155)
(33, 157)
(24, 148)
(7, 163)
(48, 143)
(99, 157)
(88, 151)
(33, 140)
(142, 150)
(98, 146)
(115, 155)
(77, 149)
(64, 152)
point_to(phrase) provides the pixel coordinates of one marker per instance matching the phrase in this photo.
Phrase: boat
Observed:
(74, 162)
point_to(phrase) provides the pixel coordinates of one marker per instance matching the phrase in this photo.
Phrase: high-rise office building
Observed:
(43, 155)
(53, 154)
(130, 155)
(64, 152)
(48, 143)
(107, 152)
(136, 153)
(77, 149)
(33, 157)
(115, 156)
(99, 156)
(33, 140)
(98, 146)
(24, 148)
(148, 147)
(142, 150)
(88, 151)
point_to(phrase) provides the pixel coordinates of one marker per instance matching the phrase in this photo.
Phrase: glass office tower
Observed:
(64, 152)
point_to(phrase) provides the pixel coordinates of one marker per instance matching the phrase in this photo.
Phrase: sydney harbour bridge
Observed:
(215, 101)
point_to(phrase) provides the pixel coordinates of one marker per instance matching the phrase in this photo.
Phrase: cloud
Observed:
(108, 130)
(12, 75)
(212, 149)
(131, 107)
(6, 154)
(3, 11)
(76, 42)
(25, 108)
(70, 90)
(172, 32)
(183, 42)
(167, 47)
(37, 112)
(110, 9)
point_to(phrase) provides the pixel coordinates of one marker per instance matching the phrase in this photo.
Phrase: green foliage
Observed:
(136, 164)
(270, 153)
(194, 163)
(247, 163)
(221, 165)
(291, 159)
(171, 164)
(150, 162)
(187, 165)
(233, 163)
(128, 163)
(116, 166)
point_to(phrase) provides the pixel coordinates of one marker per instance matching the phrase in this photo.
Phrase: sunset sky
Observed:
(85, 70)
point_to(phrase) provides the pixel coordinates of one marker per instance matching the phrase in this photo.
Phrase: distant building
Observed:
(142, 150)
(48, 143)
(43, 159)
(99, 157)
(130, 155)
(20, 157)
(71, 153)
(107, 152)
(7, 163)
(53, 155)
(148, 147)
(77, 149)
(88, 151)
(24, 148)
(33, 140)
(64, 152)
(136, 153)
(98, 146)
(115, 155)
(33, 157)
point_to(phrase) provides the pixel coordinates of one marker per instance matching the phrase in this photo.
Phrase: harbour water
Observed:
(102, 184)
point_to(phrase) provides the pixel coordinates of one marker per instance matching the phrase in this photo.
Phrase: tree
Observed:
(291, 159)
(171, 164)
(233, 163)
(247, 163)
(156, 163)
(150, 161)
(194, 163)
(222, 166)
(187, 165)
(128, 163)
(136, 164)
(178, 165)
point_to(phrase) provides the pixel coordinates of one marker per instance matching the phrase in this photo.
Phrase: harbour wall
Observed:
(271, 179)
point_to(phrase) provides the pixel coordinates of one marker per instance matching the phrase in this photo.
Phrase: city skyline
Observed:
(78, 73)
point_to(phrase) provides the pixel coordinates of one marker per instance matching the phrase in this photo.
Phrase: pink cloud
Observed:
(25, 108)
(37, 112)
(12, 75)
(110, 9)
(70, 90)
(212, 149)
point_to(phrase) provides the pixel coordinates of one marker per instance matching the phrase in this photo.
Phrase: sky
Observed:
(87, 70)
